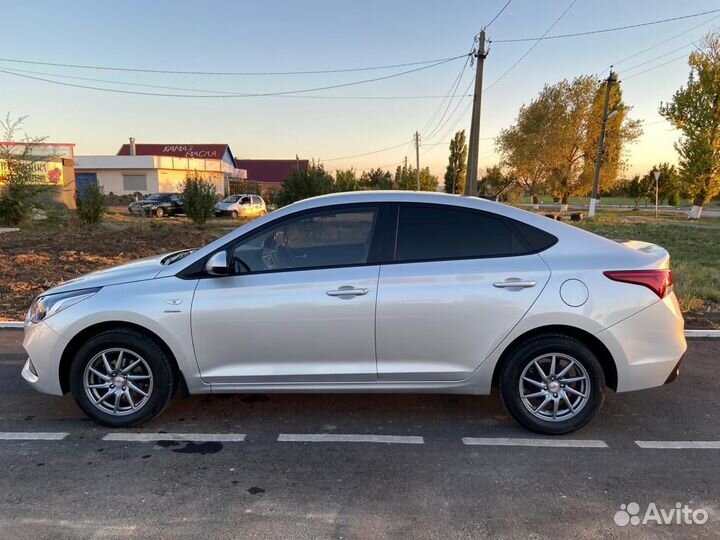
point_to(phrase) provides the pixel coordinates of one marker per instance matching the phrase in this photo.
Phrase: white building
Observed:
(158, 168)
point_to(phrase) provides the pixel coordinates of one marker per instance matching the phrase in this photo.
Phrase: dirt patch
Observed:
(34, 260)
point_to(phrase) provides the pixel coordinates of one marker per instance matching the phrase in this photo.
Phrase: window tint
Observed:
(537, 240)
(321, 239)
(256, 199)
(432, 233)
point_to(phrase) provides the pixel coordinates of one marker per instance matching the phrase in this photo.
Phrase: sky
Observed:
(276, 36)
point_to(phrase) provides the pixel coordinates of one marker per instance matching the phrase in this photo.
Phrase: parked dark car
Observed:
(158, 205)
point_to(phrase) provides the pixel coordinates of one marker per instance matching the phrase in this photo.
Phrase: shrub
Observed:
(198, 198)
(91, 204)
(301, 184)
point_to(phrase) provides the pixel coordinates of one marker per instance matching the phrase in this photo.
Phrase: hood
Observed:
(138, 270)
(225, 205)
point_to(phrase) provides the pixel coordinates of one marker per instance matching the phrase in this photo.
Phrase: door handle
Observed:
(514, 283)
(347, 291)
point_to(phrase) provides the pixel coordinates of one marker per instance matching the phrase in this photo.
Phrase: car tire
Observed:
(234, 214)
(159, 212)
(540, 396)
(133, 411)
(263, 213)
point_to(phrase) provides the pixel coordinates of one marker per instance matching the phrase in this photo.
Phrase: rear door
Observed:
(460, 280)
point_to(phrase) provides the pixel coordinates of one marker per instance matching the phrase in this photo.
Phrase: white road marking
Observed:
(680, 445)
(184, 437)
(557, 443)
(31, 436)
(339, 437)
(702, 333)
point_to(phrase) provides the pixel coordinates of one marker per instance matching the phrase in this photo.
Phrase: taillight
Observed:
(659, 281)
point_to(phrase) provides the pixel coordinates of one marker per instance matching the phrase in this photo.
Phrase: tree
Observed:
(457, 164)
(498, 186)
(406, 179)
(695, 111)
(552, 145)
(198, 198)
(304, 183)
(22, 172)
(91, 204)
(376, 179)
(668, 183)
(346, 180)
(639, 189)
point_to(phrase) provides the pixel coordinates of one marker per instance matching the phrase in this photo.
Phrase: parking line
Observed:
(31, 436)
(557, 443)
(184, 437)
(679, 445)
(338, 437)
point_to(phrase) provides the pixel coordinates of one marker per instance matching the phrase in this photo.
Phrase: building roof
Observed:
(195, 151)
(270, 170)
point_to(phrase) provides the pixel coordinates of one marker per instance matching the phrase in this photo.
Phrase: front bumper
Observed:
(44, 348)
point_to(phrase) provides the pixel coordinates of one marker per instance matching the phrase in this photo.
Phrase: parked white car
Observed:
(369, 292)
(246, 206)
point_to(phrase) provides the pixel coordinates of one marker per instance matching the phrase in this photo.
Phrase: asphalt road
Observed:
(426, 482)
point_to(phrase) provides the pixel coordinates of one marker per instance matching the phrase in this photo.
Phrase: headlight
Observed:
(48, 305)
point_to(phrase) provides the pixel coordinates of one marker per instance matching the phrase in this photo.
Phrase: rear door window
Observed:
(436, 232)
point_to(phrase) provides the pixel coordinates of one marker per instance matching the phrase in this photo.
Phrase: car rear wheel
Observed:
(552, 384)
(159, 212)
(263, 213)
(120, 378)
(234, 214)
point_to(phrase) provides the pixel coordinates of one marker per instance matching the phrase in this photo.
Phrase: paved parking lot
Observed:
(365, 466)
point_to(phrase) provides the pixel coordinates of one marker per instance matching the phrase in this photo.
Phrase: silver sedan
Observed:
(369, 292)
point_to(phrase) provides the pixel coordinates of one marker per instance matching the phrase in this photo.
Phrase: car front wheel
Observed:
(552, 384)
(159, 212)
(120, 378)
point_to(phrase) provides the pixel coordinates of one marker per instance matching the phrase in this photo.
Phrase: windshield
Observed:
(156, 197)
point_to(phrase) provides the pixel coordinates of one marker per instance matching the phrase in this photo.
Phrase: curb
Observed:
(713, 334)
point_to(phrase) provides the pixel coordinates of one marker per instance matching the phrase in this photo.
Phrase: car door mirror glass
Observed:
(217, 264)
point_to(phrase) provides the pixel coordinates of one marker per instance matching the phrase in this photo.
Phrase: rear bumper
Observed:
(648, 346)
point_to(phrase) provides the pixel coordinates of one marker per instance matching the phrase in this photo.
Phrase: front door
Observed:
(299, 306)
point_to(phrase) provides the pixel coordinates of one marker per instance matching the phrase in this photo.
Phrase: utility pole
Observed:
(601, 144)
(473, 146)
(417, 159)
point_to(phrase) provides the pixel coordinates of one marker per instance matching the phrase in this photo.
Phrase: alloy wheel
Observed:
(118, 381)
(554, 387)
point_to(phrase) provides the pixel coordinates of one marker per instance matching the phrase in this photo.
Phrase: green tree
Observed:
(91, 204)
(638, 189)
(376, 179)
(499, 186)
(20, 186)
(198, 198)
(668, 183)
(551, 147)
(695, 111)
(457, 164)
(304, 183)
(346, 180)
(406, 179)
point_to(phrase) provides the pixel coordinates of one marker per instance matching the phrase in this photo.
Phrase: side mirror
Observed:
(217, 265)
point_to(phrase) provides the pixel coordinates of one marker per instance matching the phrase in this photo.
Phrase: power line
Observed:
(226, 73)
(451, 94)
(367, 153)
(663, 42)
(605, 30)
(683, 57)
(163, 87)
(537, 41)
(242, 95)
(658, 57)
(498, 14)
